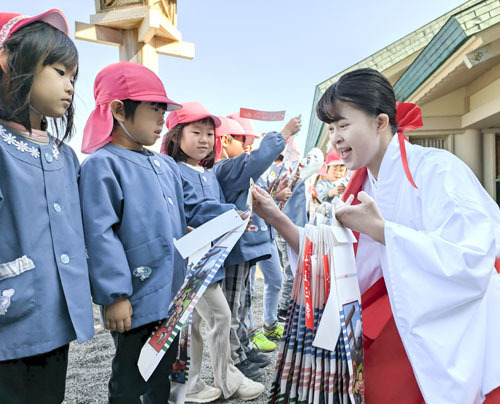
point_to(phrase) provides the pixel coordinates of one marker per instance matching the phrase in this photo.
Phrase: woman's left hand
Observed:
(364, 217)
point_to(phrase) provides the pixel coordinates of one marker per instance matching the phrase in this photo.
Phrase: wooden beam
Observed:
(179, 49)
(149, 26)
(125, 18)
(95, 33)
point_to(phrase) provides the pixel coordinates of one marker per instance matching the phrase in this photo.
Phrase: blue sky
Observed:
(261, 54)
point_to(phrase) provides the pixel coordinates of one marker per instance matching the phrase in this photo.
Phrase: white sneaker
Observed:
(206, 395)
(248, 390)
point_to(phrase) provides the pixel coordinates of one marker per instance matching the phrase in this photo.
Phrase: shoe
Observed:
(274, 332)
(248, 390)
(258, 358)
(207, 395)
(260, 342)
(282, 315)
(249, 369)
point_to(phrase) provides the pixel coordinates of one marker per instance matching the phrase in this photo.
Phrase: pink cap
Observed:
(245, 123)
(333, 158)
(12, 22)
(190, 112)
(229, 127)
(120, 81)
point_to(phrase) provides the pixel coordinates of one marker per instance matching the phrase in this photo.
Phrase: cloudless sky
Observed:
(261, 54)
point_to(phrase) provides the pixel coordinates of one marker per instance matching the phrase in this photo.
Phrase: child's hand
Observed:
(292, 127)
(244, 214)
(365, 217)
(118, 315)
(283, 195)
(338, 190)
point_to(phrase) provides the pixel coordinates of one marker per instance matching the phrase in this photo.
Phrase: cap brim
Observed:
(171, 105)
(53, 17)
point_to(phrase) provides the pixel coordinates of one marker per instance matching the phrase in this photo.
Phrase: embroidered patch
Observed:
(5, 31)
(252, 227)
(22, 146)
(142, 273)
(5, 300)
(17, 267)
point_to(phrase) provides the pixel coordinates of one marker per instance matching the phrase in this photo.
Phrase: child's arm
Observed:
(200, 210)
(234, 174)
(102, 200)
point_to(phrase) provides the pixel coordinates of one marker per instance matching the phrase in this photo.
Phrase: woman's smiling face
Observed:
(355, 136)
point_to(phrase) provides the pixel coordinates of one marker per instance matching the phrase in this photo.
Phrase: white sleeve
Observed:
(444, 291)
(293, 256)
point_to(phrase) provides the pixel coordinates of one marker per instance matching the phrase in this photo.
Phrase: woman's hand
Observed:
(264, 205)
(364, 218)
(118, 315)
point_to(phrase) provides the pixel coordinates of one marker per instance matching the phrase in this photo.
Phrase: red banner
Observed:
(262, 115)
(307, 285)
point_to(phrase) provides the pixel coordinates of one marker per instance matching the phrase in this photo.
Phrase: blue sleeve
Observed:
(199, 210)
(234, 174)
(102, 199)
(323, 187)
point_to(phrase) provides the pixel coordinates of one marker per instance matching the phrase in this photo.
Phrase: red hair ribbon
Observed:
(408, 117)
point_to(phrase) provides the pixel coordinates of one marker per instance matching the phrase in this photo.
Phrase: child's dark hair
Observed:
(130, 106)
(366, 89)
(172, 146)
(36, 44)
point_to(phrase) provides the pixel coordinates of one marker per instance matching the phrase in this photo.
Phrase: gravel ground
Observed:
(90, 363)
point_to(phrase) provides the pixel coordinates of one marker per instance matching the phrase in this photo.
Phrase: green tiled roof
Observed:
(469, 18)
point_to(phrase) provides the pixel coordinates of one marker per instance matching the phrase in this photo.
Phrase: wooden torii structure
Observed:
(142, 29)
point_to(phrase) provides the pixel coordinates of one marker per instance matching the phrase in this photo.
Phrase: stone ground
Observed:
(90, 364)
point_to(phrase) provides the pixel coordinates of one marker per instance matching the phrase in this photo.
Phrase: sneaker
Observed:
(260, 342)
(248, 390)
(258, 358)
(274, 332)
(249, 369)
(207, 395)
(282, 315)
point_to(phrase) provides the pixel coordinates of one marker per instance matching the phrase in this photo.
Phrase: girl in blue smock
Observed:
(191, 141)
(44, 284)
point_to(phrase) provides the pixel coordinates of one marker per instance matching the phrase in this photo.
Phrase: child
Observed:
(191, 141)
(233, 174)
(426, 253)
(333, 186)
(134, 204)
(44, 289)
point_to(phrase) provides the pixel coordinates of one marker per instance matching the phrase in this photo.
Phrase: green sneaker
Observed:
(260, 342)
(274, 332)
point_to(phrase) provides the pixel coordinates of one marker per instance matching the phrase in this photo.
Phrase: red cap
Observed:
(229, 126)
(245, 123)
(120, 81)
(333, 158)
(12, 22)
(190, 112)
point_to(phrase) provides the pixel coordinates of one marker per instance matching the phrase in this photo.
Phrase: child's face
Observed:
(52, 89)
(355, 137)
(234, 147)
(197, 141)
(147, 123)
(336, 172)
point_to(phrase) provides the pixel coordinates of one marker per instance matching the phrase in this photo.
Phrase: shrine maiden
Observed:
(430, 235)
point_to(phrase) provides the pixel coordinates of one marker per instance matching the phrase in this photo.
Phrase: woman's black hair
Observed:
(366, 89)
(36, 44)
(172, 146)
